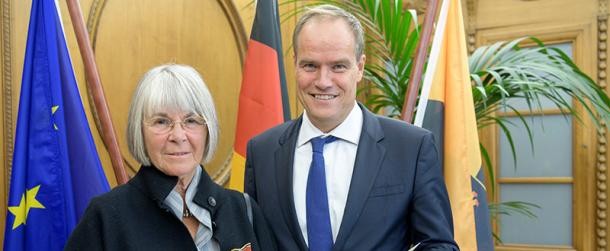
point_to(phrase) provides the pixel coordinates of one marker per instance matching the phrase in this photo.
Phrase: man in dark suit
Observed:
(340, 177)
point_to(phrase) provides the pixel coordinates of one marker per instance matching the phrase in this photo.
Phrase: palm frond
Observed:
(504, 70)
(512, 208)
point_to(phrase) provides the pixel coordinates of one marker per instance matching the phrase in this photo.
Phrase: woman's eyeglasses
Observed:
(163, 125)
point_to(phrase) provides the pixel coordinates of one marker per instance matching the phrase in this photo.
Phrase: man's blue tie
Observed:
(319, 232)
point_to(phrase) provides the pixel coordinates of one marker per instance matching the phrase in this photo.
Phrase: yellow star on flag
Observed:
(53, 110)
(28, 201)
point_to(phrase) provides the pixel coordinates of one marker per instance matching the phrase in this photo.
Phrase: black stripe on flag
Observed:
(481, 215)
(266, 30)
(434, 120)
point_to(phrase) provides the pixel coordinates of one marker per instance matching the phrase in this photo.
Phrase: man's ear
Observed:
(360, 65)
(361, 62)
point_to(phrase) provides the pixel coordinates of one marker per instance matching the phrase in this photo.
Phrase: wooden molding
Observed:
(222, 175)
(7, 106)
(601, 163)
(470, 24)
(237, 26)
(536, 180)
(7, 91)
(535, 112)
(93, 21)
(515, 247)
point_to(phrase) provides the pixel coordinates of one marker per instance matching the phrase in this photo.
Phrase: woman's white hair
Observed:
(170, 86)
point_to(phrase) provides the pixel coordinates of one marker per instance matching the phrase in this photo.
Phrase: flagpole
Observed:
(94, 84)
(420, 59)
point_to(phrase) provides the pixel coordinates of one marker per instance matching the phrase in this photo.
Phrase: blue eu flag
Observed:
(56, 170)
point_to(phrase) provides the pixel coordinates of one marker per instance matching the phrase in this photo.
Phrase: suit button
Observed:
(212, 201)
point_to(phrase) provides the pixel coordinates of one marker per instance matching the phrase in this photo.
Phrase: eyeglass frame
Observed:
(201, 123)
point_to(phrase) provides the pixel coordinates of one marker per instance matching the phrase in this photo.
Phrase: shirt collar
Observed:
(349, 130)
(174, 201)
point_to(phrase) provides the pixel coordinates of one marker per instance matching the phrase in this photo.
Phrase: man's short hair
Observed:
(330, 11)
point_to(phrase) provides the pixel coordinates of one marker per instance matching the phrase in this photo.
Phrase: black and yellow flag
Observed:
(446, 108)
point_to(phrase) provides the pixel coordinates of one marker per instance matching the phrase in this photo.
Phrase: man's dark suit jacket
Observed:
(397, 196)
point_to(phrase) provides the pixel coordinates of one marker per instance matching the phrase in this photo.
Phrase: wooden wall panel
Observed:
(508, 13)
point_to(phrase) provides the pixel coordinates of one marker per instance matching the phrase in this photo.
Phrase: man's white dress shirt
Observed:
(339, 159)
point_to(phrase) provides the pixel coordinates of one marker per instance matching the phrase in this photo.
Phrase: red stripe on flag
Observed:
(260, 98)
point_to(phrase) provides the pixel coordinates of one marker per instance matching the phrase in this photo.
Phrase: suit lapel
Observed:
(367, 164)
(284, 162)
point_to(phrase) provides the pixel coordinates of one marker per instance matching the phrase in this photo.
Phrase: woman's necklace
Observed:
(186, 212)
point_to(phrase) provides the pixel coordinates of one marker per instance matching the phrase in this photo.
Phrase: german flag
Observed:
(263, 98)
(446, 108)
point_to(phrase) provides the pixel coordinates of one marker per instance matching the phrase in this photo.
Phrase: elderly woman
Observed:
(171, 203)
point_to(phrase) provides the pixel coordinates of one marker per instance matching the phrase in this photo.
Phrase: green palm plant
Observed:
(499, 72)
(504, 70)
